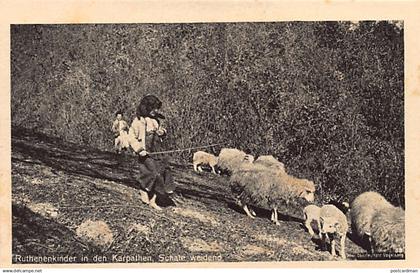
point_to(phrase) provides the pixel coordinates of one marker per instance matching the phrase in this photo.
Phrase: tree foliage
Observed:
(326, 98)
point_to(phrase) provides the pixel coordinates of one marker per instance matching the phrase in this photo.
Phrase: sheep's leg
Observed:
(342, 246)
(319, 227)
(322, 238)
(200, 169)
(326, 238)
(252, 212)
(274, 217)
(333, 247)
(240, 204)
(213, 170)
(153, 204)
(309, 227)
(370, 243)
(196, 167)
(245, 207)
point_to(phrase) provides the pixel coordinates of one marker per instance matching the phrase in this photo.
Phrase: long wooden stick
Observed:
(184, 149)
(100, 207)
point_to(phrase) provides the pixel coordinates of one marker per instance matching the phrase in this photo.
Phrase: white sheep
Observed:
(362, 211)
(231, 159)
(265, 188)
(334, 222)
(388, 230)
(311, 213)
(203, 158)
(263, 162)
(270, 162)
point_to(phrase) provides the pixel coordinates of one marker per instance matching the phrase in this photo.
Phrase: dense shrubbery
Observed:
(327, 98)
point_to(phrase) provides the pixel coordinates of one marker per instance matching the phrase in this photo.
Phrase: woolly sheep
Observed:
(378, 220)
(333, 221)
(388, 230)
(201, 158)
(231, 159)
(270, 162)
(363, 209)
(265, 188)
(311, 213)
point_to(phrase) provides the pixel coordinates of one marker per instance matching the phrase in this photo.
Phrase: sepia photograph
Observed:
(207, 142)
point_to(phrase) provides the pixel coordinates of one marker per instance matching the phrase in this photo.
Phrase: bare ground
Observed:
(58, 187)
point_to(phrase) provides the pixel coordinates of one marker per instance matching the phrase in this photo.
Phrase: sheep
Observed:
(270, 162)
(363, 209)
(262, 187)
(230, 160)
(388, 230)
(311, 213)
(201, 157)
(334, 222)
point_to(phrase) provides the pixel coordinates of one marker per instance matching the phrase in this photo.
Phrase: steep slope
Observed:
(57, 186)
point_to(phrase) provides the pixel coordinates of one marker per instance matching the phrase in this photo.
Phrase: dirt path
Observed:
(80, 206)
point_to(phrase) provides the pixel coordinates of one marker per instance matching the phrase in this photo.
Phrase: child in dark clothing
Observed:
(145, 136)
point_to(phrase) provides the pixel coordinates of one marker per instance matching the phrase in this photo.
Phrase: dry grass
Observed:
(45, 209)
(250, 250)
(96, 232)
(204, 217)
(37, 181)
(270, 239)
(199, 245)
(143, 229)
(280, 242)
(128, 193)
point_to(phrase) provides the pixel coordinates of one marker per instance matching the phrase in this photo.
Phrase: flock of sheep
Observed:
(264, 183)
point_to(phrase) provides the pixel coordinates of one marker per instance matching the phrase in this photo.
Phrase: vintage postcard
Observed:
(212, 134)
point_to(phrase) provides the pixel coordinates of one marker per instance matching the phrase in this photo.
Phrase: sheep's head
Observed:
(308, 196)
(329, 224)
(213, 160)
(308, 191)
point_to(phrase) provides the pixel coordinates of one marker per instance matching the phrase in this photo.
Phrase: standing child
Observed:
(145, 136)
(120, 130)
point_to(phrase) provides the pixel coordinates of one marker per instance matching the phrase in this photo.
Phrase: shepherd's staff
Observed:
(185, 149)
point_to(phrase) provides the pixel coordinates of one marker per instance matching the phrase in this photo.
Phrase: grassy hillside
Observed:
(54, 196)
(326, 98)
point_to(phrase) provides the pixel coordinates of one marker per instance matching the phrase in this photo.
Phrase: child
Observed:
(145, 136)
(120, 130)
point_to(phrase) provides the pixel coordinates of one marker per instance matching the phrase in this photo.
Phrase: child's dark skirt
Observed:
(155, 176)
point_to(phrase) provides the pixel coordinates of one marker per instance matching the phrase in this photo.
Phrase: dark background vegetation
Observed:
(326, 98)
